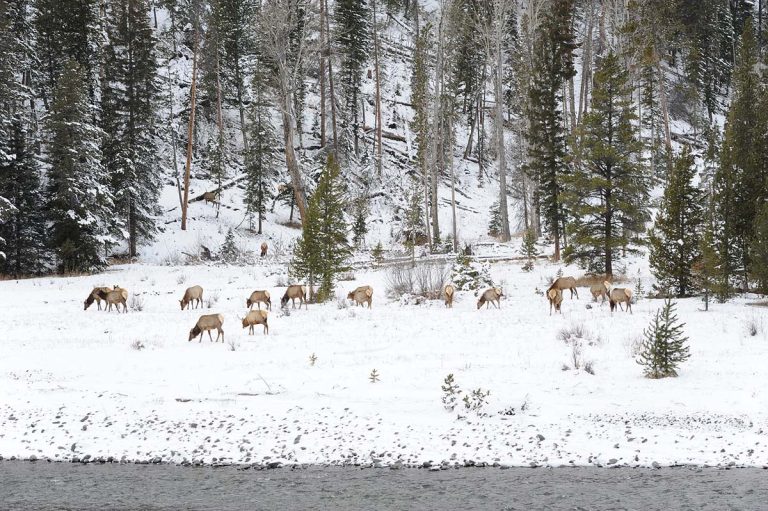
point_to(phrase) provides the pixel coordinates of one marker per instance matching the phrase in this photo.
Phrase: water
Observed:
(64, 486)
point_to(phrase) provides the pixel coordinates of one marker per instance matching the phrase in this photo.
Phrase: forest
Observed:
(602, 127)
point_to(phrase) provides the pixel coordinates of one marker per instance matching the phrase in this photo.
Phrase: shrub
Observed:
(470, 275)
(664, 347)
(378, 253)
(211, 299)
(181, 279)
(137, 345)
(423, 279)
(136, 303)
(451, 392)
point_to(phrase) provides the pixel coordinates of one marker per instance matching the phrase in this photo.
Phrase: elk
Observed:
(192, 294)
(448, 292)
(95, 296)
(490, 295)
(264, 249)
(619, 295)
(259, 297)
(598, 291)
(564, 283)
(116, 297)
(555, 297)
(292, 293)
(253, 318)
(210, 197)
(208, 322)
(361, 295)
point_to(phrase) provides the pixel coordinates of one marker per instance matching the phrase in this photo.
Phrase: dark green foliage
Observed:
(608, 190)
(759, 250)
(78, 206)
(229, 252)
(664, 347)
(378, 252)
(359, 224)
(494, 226)
(528, 249)
(323, 250)
(414, 219)
(129, 107)
(676, 238)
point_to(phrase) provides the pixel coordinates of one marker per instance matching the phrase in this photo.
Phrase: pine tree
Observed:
(528, 249)
(759, 250)
(129, 103)
(229, 251)
(260, 158)
(353, 39)
(676, 237)
(740, 182)
(360, 224)
(420, 125)
(323, 250)
(664, 347)
(494, 225)
(78, 206)
(608, 190)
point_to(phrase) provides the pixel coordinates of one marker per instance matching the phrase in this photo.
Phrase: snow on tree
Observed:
(664, 347)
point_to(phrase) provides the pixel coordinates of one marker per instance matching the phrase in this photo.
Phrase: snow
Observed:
(72, 385)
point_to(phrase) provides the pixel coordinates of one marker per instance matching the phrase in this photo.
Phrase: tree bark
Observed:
(378, 91)
(323, 57)
(190, 132)
(330, 84)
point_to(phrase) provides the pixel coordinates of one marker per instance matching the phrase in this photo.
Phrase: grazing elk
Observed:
(253, 318)
(96, 296)
(192, 294)
(491, 295)
(361, 295)
(206, 323)
(555, 297)
(259, 297)
(292, 293)
(264, 248)
(210, 197)
(448, 292)
(564, 283)
(116, 296)
(619, 295)
(598, 291)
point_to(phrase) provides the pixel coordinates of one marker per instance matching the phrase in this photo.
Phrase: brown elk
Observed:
(206, 323)
(253, 318)
(192, 294)
(598, 291)
(361, 295)
(259, 297)
(292, 293)
(210, 197)
(116, 296)
(264, 249)
(491, 295)
(555, 297)
(619, 295)
(448, 292)
(96, 296)
(564, 283)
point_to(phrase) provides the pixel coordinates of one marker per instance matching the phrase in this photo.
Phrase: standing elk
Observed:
(192, 294)
(210, 197)
(564, 283)
(555, 297)
(206, 323)
(264, 248)
(619, 295)
(258, 317)
(448, 292)
(116, 296)
(598, 291)
(292, 293)
(259, 297)
(361, 295)
(96, 296)
(491, 295)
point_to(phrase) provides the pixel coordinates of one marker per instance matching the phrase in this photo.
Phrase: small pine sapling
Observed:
(494, 225)
(664, 347)
(229, 250)
(529, 250)
(374, 376)
(451, 392)
(312, 359)
(378, 253)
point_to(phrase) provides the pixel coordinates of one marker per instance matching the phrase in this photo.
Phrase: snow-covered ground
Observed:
(72, 384)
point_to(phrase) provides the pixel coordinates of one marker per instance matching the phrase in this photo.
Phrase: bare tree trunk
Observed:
(378, 91)
(172, 131)
(330, 83)
(220, 126)
(437, 137)
(243, 125)
(664, 106)
(586, 64)
(291, 162)
(323, 57)
(503, 209)
(190, 133)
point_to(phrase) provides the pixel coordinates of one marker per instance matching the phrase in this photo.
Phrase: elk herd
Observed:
(193, 299)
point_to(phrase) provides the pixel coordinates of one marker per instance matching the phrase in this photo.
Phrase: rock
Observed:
(540, 437)
(655, 464)
(612, 461)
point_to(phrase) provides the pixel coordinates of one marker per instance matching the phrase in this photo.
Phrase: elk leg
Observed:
(211, 337)
(222, 335)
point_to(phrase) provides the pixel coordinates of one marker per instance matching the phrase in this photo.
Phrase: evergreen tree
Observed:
(323, 250)
(740, 182)
(608, 190)
(24, 229)
(528, 249)
(664, 347)
(260, 158)
(676, 237)
(78, 206)
(759, 250)
(420, 125)
(229, 251)
(494, 225)
(353, 37)
(359, 224)
(129, 103)
(552, 65)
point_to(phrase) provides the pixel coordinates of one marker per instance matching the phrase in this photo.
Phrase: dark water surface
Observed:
(65, 486)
